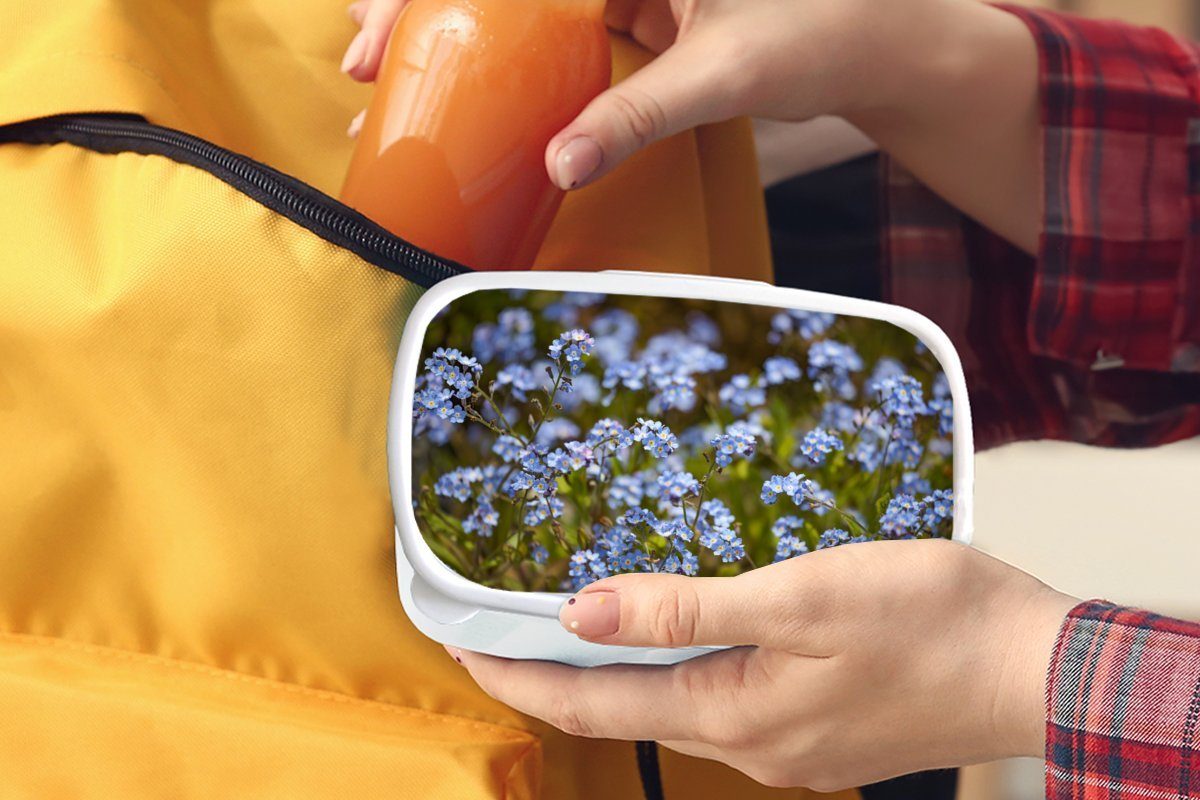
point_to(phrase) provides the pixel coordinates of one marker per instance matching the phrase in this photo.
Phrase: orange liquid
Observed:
(452, 151)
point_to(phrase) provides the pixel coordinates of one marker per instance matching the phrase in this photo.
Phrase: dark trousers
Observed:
(825, 237)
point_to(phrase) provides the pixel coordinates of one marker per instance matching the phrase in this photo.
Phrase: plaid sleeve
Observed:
(1117, 281)
(1124, 706)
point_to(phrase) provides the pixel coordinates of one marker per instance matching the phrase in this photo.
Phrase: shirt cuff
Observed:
(1120, 132)
(1123, 705)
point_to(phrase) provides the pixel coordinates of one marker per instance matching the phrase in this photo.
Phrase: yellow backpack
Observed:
(197, 587)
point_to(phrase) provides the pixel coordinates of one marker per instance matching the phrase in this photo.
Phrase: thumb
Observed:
(654, 610)
(680, 89)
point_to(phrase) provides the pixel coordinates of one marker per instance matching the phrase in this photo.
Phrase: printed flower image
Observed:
(563, 437)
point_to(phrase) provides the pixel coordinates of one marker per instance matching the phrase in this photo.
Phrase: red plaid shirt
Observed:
(1095, 340)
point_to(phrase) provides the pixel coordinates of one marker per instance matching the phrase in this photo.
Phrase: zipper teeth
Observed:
(393, 249)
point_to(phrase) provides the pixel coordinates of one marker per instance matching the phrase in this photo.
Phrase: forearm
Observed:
(951, 92)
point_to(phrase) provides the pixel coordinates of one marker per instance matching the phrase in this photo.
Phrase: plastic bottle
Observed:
(451, 155)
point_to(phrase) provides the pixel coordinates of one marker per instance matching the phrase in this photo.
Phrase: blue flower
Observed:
(439, 403)
(681, 563)
(483, 520)
(571, 457)
(913, 483)
(624, 374)
(806, 324)
(738, 440)
(674, 530)
(902, 518)
(833, 538)
(838, 416)
(725, 545)
(780, 369)
(741, 394)
(716, 525)
(625, 491)
(566, 310)
(542, 509)
(787, 543)
(539, 554)
(615, 330)
(637, 516)
(608, 434)
(674, 352)
(453, 370)
(830, 364)
(520, 482)
(433, 428)
(868, 452)
(573, 347)
(556, 430)
(885, 368)
(509, 449)
(789, 546)
(902, 399)
(628, 560)
(673, 391)
(678, 485)
(510, 339)
(584, 389)
(585, 567)
(905, 448)
(942, 405)
(458, 483)
(655, 437)
(939, 506)
(795, 486)
(519, 379)
(819, 443)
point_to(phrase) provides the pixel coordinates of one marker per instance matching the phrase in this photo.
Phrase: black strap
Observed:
(647, 758)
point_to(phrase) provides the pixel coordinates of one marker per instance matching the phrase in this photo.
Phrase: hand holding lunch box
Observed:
(551, 429)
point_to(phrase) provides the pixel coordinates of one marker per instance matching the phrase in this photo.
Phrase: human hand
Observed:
(948, 88)
(849, 665)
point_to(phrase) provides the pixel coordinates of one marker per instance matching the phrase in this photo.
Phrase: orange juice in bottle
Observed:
(451, 155)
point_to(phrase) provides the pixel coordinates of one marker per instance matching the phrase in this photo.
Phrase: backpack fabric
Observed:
(197, 586)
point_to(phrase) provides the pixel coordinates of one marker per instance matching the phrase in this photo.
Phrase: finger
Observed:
(616, 702)
(684, 87)
(620, 14)
(358, 11)
(365, 53)
(654, 27)
(641, 610)
(356, 124)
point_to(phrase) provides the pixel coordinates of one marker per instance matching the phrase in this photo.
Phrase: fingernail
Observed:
(577, 161)
(454, 652)
(356, 125)
(356, 52)
(356, 11)
(592, 614)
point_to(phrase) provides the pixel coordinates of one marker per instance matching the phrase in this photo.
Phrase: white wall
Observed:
(1120, 525)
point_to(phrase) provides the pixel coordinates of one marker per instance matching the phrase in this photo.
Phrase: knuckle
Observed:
(568, 717)
(674, 615)
(641, 115)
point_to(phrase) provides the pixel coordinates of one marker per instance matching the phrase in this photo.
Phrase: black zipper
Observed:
(318, 212)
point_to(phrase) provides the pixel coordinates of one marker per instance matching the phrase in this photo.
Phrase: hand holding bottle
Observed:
(947, 87)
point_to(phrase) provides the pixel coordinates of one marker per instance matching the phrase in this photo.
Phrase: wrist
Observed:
(929, 60)
(1020, 704)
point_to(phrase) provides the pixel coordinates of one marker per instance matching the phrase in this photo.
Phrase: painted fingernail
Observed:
(356, 125)
(577, 161)
(592, 614)
(356, 53)
(454, 652)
